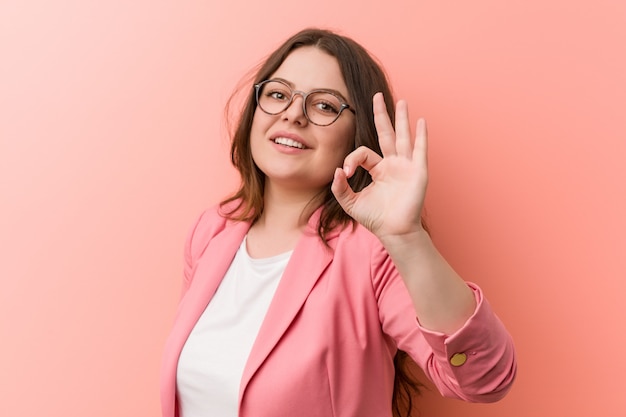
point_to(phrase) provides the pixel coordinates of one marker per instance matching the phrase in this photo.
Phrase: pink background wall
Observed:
(112, 141)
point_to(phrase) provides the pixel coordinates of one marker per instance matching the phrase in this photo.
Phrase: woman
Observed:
(301, 289)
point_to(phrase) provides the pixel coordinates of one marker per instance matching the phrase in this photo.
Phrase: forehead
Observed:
(310, 68)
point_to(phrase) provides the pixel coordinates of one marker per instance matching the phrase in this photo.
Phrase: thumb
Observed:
(342, 191)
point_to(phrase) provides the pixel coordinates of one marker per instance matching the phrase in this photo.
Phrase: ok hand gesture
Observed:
(392, 204)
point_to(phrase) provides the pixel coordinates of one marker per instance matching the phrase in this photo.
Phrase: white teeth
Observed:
(289, 142)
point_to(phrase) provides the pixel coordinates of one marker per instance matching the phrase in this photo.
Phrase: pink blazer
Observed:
(327, 343)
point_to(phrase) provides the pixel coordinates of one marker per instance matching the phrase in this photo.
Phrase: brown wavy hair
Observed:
(363, 77)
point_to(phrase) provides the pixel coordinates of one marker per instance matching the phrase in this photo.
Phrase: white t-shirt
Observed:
(212, 361)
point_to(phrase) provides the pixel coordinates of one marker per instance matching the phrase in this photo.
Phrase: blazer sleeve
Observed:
(477, 363)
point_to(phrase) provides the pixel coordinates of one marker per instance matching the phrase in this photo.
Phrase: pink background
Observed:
(112, 141)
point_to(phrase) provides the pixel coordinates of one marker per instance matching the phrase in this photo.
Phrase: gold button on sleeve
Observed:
(458, 359)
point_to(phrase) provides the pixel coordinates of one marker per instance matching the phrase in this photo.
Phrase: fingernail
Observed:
(347, 170)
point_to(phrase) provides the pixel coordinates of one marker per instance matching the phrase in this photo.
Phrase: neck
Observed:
(284, 218)
(287, 209)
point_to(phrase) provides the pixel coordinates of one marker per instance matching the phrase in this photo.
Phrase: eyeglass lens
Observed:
(321, 108)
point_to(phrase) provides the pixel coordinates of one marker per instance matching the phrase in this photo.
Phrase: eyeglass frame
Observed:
(344, 106)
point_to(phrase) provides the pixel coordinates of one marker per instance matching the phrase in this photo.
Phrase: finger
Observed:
(404, 147)
(361, 156)
(420, 150)
(342, 191)
(386, 134)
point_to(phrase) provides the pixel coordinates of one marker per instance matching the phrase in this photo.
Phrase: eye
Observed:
(277, 95)
(327, 107)
(276, 91)
(325, 103)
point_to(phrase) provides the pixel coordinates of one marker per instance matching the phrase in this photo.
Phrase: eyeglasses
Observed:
(320, 107)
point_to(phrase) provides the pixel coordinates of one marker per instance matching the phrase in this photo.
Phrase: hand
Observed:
(392, 204)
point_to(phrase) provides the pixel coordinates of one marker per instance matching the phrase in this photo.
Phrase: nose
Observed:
(295, 111)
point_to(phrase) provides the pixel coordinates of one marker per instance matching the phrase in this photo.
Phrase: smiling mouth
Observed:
(289, 142)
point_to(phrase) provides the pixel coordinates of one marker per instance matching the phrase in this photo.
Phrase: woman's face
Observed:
(293, 153)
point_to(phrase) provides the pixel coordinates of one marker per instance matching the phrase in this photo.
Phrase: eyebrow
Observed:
(330, 90)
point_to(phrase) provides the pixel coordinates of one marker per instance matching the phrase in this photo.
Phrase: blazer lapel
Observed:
(210, 271)
(211, 268)
(308, 261)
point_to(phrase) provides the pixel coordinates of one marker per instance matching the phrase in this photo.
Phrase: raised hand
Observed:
(392, 204)
(391, 208)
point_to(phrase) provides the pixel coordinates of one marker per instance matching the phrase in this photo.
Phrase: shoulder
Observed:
(357, 243)
(357, 236)
(361, 249)
(209, 224)
(210, 221)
